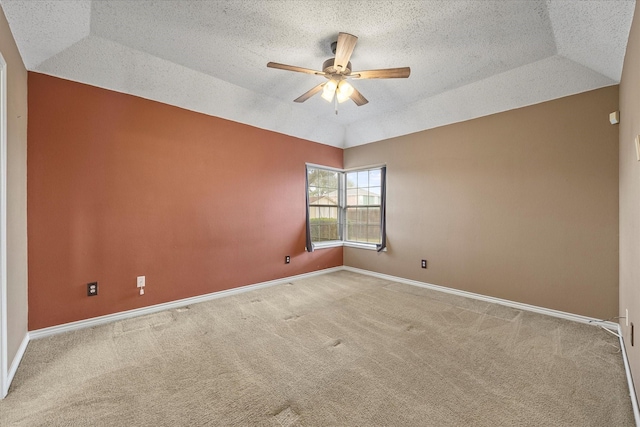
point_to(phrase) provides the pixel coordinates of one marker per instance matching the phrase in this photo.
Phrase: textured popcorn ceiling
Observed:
(468, 58)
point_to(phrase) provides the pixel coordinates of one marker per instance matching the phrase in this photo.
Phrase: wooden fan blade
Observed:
(358, 98)
(344, 49)
(387, 73)
(308, 94)
(294, 68)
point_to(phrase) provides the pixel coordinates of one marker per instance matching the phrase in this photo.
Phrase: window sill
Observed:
(338, 243)
(331, 244)
(368, 246)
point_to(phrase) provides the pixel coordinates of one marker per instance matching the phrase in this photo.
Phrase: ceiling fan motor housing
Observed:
(328, 68)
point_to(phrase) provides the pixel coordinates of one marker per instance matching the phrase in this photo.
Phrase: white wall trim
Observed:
(95, 321)
(614, 327)
(518, 305)
(16, 360)
(627, 370)
(4, 352)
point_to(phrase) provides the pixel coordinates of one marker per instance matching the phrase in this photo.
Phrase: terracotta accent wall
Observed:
(16, 191)
(630, 196)
(120, 186)
(521, 205)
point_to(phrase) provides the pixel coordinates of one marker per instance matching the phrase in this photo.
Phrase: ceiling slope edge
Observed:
(593, 34)
(144, 75)
(530, 84)
(56, 25)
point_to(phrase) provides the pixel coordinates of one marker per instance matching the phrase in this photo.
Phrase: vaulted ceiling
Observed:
(468, 58)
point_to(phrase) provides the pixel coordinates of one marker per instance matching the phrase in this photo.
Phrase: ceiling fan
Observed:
(337, 70)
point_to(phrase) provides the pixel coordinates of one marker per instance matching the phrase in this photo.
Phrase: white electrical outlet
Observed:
(141, 281)
(626, 316)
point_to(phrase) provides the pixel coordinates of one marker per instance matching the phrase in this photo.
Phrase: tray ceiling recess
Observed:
(468, 58)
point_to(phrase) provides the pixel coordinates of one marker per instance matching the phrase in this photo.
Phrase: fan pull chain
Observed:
(335, 101)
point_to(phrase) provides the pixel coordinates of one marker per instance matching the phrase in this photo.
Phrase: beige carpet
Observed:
(336, 350)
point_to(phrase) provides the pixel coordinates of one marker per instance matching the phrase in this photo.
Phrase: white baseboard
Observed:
(54, 330)
(614, 327)
(95, 321)
(518, 305)
(15, 363)
(627, 370)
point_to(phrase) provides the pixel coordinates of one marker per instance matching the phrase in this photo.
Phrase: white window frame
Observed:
(339, 242)
(4, 356)
(342, 208)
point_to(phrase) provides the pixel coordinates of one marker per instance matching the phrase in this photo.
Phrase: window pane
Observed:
(364, 197)
(351, 214)
(374, 177)
(323, 178)
(352, 180)
(352, 196)
(358, 227)
(374, 216)
(326, 196)
(373, 233)
(363, 179)
(368, 191)
(362, 215)
(323, 221)
(353, 225)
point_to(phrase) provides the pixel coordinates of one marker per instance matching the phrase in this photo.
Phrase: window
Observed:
(363, 223)
(323, 187)
(346, 207)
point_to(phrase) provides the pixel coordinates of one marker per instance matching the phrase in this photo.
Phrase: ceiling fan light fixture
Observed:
(344, 91)
(341, 97)
(329, 90)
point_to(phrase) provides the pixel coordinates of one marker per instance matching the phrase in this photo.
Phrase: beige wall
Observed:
(521, 205)
(630, 194)
(16, 190)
